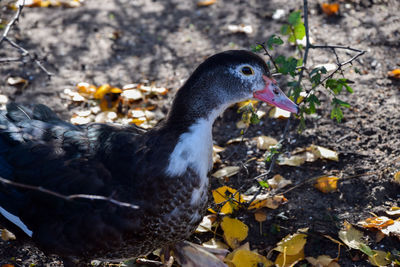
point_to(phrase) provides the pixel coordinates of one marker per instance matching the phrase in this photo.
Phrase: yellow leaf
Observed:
(206, 224)
(235, 231)
(324, 153)
(285, 260)
(322, 261)
(326, 184)
(265, 142)
(277, 113)
(265, 201)
(101, 91)
(245, 258)
(379, 258)
(228, 195)
(227, 171)
(330, 9)
(250, 102)
(351, 236)
(376, 222)
(397, 177)
(278, 182)
(394, 74)
(292, 244)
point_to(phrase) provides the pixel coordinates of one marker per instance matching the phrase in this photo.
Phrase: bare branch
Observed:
(23, 51)
(69, 197)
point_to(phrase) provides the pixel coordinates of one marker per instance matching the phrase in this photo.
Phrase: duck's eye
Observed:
(246, 70)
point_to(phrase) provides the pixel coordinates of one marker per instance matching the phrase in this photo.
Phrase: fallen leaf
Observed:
(285, 260)
(351, 236)
(265, 201)
(292, 244)
(376, 222)
(215, 154)
(86, 88)
(330, 9)
(294, 160)
(153, 90)
(206, 3)
(235, 231)
(326, 184)
(132, 94)
(214, 243)
(322, 261)
(246, 103)
(278, 113)
(227, 171)
(245, 258)
(379, 258)
(17, 81)
(206, 223)
(397, 177)
(395, 74)
(190, 254)
(7, 235)
(78, 120)
(394, 211)
(278, 182)
(324, 153)
(260, 216)
(228, 195)
(265, 142)
(236, 140)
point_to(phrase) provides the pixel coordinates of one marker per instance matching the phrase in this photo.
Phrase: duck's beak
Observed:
(273, 95)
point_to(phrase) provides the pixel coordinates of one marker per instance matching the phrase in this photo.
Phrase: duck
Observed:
(162, 173)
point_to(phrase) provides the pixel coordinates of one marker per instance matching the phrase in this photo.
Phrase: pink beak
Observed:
(273, 95)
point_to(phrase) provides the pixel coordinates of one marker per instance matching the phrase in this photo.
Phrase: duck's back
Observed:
(39, 149)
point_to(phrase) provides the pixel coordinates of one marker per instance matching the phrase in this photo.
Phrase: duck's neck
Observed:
(194, 147)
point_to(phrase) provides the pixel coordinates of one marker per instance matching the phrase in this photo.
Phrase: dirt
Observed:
(121, 42)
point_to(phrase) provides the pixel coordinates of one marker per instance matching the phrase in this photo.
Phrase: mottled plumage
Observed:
(162, 171)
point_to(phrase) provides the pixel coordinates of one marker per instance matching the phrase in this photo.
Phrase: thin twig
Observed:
(69, 197)
(23, 51)
(270, 57)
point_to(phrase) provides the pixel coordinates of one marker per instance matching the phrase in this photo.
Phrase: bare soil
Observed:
(163, 41)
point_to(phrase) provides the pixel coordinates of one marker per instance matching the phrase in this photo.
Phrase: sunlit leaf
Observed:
(214, 243)
(285, 260)
(227, 171)
(394, 211)
(376, 222)
(351, 236)
(206, 224)
(228, 196)
(292, 244)
(235, 231)
(246, 258)
(294, 160)
(265, 142)
(330, 9)
(85, 88)
(265, 201)
(278, 182)
(322, 261)
(278, 113)
(326, 184)
(397, 177)
(395, 74)
(206, 3)
(7, 235)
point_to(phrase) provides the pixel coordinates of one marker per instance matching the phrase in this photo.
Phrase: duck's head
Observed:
(224, 79)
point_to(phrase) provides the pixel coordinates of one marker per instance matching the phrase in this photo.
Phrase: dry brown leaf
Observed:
(326, 184)
(322, 261)
(235, 231)
(278, 113)
(278, 182)
(205, 3)
(265, 142)
(265, 201)
(324, 153)
(215, 155)
(376, 222)
(227, 171)
(260, 216)
(395, 74)
(17, 81)
(236, 140)
(206, 224)
(7, 235)
(294, 160)
(330, 9)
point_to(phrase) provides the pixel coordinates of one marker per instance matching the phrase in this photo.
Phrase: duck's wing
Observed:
(38, 149)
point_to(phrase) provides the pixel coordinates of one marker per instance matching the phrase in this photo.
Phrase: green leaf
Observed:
(300, 62)
(337, 113)
(299, 31)
(313, 100)
(254, 118)
(263, 184)
(256, 48)
(273, 40)
(366, 249)
(341, 103)
(285, 29)
(294, 18)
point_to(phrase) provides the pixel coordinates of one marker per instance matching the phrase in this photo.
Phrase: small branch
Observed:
(23, 51)
(270, 57)
(69, 197)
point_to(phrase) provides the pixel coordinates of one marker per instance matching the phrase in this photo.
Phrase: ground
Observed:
(121, 42)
